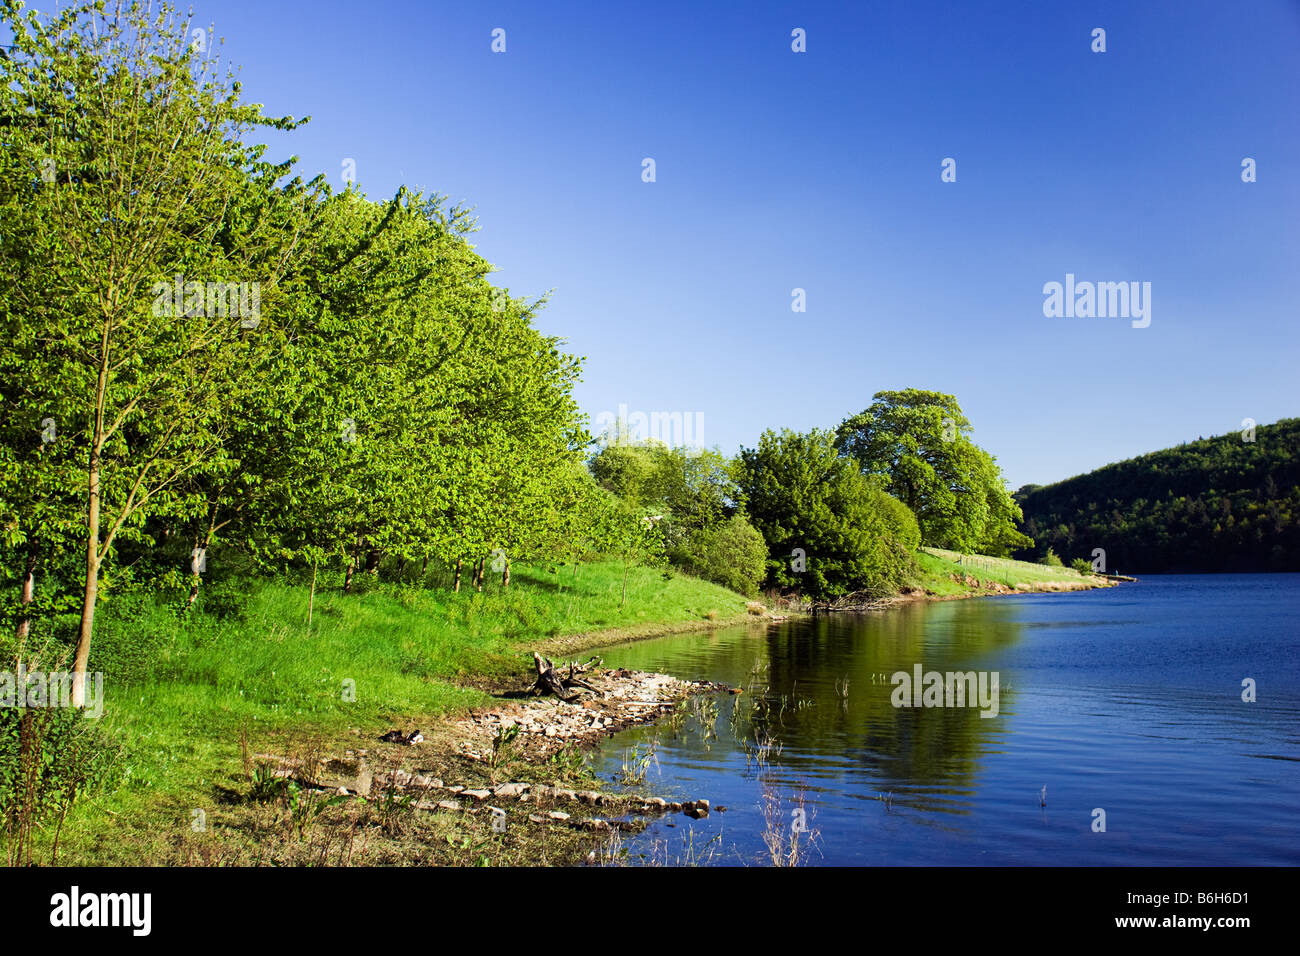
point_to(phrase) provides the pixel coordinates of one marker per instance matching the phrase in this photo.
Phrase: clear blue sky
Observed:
(821, 170)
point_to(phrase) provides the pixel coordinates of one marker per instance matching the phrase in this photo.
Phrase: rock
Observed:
(590, 797)
(476, 794)
(562, 794)
(456, 789)
(343, 791)
(510, 789)
(448, 804)
(401, 778)
(699, 813)
(658, 803)
(550, 730)
(675, 807)
(352, 774)
(558, 815)
(536, 818)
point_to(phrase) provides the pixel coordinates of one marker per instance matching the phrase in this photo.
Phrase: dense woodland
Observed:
(1215, 504)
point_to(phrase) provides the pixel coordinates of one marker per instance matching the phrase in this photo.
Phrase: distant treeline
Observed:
(1216, 504)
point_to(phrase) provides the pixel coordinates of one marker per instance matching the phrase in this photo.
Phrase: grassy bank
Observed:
(949, 574)
(192, 697)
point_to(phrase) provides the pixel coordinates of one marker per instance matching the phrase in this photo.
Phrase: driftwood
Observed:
(552, 680)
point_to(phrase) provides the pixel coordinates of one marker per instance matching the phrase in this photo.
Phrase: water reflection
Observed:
(1112, 701)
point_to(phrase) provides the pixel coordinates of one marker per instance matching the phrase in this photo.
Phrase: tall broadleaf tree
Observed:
(125, 144)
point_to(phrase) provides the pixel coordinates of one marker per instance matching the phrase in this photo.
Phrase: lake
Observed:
(1127, 700)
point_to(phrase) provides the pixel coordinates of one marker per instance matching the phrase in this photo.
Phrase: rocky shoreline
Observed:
(535, 729)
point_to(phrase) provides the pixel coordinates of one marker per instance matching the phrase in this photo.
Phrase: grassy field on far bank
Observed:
(939, 566)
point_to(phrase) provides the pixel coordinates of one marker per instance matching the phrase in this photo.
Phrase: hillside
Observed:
(1216, 504)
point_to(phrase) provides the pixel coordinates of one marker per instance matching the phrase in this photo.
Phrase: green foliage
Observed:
(1051, 559)
(48, 758)
(690, 490)
(384, 401)
(829, 530)
(1082, 565)
(732, 554)
(1215, 504)
(917, 442)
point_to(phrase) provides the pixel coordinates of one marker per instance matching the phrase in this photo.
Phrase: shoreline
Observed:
(544, 728)
(482, 783)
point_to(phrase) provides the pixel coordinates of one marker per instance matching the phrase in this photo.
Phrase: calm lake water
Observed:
(1127, 700)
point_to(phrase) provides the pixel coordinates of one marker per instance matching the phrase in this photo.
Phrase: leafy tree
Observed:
(829, 529)
(693, 490)
(732, 554)
(917, 442)
(124, 167)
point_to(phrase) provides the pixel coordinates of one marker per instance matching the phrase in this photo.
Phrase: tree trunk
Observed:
(372, 562)
(347, 577)
(29, 594)
(478, 574)
(311, 599)
(456, 586)
(505, 576)
(196, 574)
(91, 591)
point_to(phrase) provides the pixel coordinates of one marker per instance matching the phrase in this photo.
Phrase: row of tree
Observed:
(205, 355)
(825, 513)
(202, 348)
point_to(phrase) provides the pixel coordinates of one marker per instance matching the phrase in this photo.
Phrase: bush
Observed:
(1051, 559)
(732, 554)
(48, 757)
(1082, 565)
(830, 530)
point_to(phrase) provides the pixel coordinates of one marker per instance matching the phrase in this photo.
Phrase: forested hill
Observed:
(1216, 504)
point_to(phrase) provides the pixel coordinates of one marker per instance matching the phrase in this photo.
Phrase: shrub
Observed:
(732, 554)
(48, 757)
(1051, 559)
(830, 530)
(1082, 565)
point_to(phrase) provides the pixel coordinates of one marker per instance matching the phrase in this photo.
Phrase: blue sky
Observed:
(821, 170)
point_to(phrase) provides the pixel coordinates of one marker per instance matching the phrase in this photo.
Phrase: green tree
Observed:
(124, 166)
(917, 442)
(732, 554)
(828, 528)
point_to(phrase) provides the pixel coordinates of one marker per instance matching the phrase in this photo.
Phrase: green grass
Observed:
(182, 687)
(938, 566)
